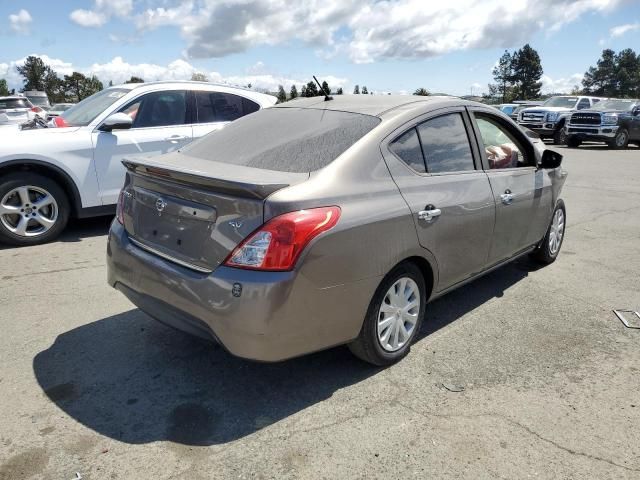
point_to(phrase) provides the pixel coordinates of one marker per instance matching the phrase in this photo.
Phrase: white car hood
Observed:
(546, 109)
(14, 130)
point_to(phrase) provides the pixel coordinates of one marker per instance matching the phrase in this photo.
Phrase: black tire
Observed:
(20, 179)
(367, 346)
(573, 142)
(560, 136)
(620, 141)
(543, 253)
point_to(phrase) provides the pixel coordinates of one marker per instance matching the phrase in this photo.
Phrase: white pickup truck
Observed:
(50, 174)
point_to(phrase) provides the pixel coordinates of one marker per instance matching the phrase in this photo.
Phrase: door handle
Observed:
(507, 197)
(176, 138)
(429, 214)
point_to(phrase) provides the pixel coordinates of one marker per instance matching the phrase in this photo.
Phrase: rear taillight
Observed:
(120, 208)
(278, 243)
(36, 110)
(59, 122)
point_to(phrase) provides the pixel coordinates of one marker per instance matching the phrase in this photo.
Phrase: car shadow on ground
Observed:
(136, 381)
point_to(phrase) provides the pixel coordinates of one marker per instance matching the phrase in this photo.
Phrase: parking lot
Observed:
(525, 373)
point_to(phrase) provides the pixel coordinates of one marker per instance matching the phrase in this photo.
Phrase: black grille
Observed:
(583, 130)
(585, 119)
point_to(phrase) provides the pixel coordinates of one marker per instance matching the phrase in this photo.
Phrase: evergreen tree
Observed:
(504, 76)
(34, 72)
(527, 72)
(4, 88)
(282, 95)
(303, 91)
(356, 90)
(325, 88)
(422, 91)
(111, 83)
(628, 73)
(199, 77)
(78, 87)
(312, 90)
(339, 91)
(294, 92)
(364, 90)
(135, 79)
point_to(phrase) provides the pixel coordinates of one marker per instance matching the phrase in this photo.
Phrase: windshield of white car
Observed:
(39, 101)
(624, 105)
(567, 102)
(83, 113)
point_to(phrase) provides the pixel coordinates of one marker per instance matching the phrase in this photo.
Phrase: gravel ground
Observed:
(525, 373)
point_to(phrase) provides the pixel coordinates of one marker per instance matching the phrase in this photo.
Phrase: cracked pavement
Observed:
(551, 377)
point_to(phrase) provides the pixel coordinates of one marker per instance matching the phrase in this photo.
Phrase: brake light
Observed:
(277, 245)
(36, 109)
(60, 123)
(120, 208)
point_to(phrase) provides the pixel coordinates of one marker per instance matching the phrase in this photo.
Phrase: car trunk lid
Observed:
(196, 215)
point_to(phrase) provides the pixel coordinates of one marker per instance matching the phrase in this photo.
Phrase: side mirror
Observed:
(636, 111)
(550, 159)
(116, 121)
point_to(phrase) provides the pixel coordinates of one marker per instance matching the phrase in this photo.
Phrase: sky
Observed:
(388, 45)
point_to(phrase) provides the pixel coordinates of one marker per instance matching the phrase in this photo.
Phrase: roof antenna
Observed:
(327, 97)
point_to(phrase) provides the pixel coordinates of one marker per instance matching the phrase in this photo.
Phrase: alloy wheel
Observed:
(557, 232)
(398, 314)
(28, 211)
(621, 139)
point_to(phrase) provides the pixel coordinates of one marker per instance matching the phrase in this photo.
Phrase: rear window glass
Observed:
(284, 139)
(14, 103)
(407, 148)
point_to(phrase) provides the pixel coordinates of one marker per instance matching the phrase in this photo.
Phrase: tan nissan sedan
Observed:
(322, 222)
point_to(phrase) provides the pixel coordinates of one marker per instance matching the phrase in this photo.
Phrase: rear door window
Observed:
(445, 144)
(407, 148)
(222, 107)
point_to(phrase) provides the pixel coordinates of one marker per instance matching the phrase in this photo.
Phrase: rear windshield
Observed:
(284, 139)
(14, 103)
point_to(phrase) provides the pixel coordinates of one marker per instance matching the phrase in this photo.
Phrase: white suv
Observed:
(50, 174)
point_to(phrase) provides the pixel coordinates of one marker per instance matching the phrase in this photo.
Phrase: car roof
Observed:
(375, 105)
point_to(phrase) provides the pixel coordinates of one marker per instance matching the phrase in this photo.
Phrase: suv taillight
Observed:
(36, 109)
(120, 208)
(278, 243)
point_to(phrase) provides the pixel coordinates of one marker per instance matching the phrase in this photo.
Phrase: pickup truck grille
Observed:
(532, 117)
(585, 119)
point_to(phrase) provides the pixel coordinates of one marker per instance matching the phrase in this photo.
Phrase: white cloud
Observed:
(118, 71)
(20, 22)
(561, 85)
(620, 30)
(102, 12)
(364, 30)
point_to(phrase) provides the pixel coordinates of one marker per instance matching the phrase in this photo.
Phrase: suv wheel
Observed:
(33, 209)
(621, 140)
(394, 317)
(560, 136)
(549, 247)
(573, 142)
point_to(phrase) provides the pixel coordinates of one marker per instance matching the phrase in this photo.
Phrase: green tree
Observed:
(34, 71)
(503, 75)
(135, 79)
(4, 88)
(293, 93)
(111, 83)
(628, 73)
(78, 87)
(339, 91)
(527, 72)
(602, 79)
(199, 77)
(282, 95)
(303, 91)
(364, 90)
(422, 91)
(356, 90)
(325, 88)
(312, 90)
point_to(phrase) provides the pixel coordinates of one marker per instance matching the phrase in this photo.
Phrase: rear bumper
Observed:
(278, 315)
(597, 133)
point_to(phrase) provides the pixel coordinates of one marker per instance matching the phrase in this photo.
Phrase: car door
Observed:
(634, 124)
(216, 109)
(522, 193)
(161, 124)
(434, 165)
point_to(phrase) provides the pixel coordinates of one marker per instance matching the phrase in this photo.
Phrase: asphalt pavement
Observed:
(524, 373)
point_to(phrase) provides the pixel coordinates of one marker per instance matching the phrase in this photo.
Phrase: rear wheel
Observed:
(621, 140)
(33, 209)
(393, 318)
(573, 142)
(549, 248)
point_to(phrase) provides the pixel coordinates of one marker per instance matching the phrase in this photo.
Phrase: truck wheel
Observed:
(573, 142)
(33, 209)
(560, 137)
(621, 140)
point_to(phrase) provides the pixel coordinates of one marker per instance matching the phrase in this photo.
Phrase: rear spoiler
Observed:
(226, 178)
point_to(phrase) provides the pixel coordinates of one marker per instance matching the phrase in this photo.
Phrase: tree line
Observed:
(615, 75)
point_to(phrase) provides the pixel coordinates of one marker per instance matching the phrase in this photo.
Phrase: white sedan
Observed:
(50, 174)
